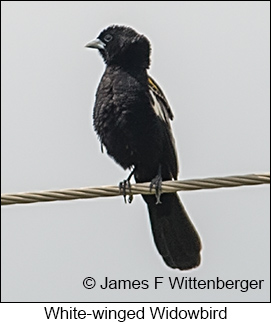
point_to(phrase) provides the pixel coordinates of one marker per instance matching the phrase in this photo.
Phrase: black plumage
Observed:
(132, 119)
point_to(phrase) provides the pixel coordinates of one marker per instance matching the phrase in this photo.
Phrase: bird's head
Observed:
(121, 45)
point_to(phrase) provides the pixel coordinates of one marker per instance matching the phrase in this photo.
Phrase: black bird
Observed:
(132, 119)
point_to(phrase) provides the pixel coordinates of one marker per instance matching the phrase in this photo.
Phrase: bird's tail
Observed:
(174, 234)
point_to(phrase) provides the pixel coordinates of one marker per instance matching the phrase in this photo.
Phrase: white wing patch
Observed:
(156, 105)
(159, 102)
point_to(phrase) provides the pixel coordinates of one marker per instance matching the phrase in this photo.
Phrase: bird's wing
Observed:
(163, 111)
(159, 101)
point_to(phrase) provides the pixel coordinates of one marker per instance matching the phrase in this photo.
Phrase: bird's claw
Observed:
(123, 186)
(157, 184)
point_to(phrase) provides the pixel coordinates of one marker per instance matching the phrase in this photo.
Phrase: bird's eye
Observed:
(108, 37)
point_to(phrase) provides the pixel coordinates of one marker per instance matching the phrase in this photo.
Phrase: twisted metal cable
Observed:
(142, 188)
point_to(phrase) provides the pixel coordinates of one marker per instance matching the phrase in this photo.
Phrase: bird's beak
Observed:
(96, 43)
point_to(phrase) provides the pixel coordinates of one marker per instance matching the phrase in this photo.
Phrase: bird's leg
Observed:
(124, 185)
(156, 182)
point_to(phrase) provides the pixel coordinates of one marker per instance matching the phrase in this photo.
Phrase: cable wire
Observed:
(141, 188)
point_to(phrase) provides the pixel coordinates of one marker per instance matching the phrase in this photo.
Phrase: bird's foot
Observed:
(157, 184)
(125, 186)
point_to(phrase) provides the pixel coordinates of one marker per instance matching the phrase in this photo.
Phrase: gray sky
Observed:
(212, 60)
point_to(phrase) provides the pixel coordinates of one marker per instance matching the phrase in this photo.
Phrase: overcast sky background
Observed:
(212, 61)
